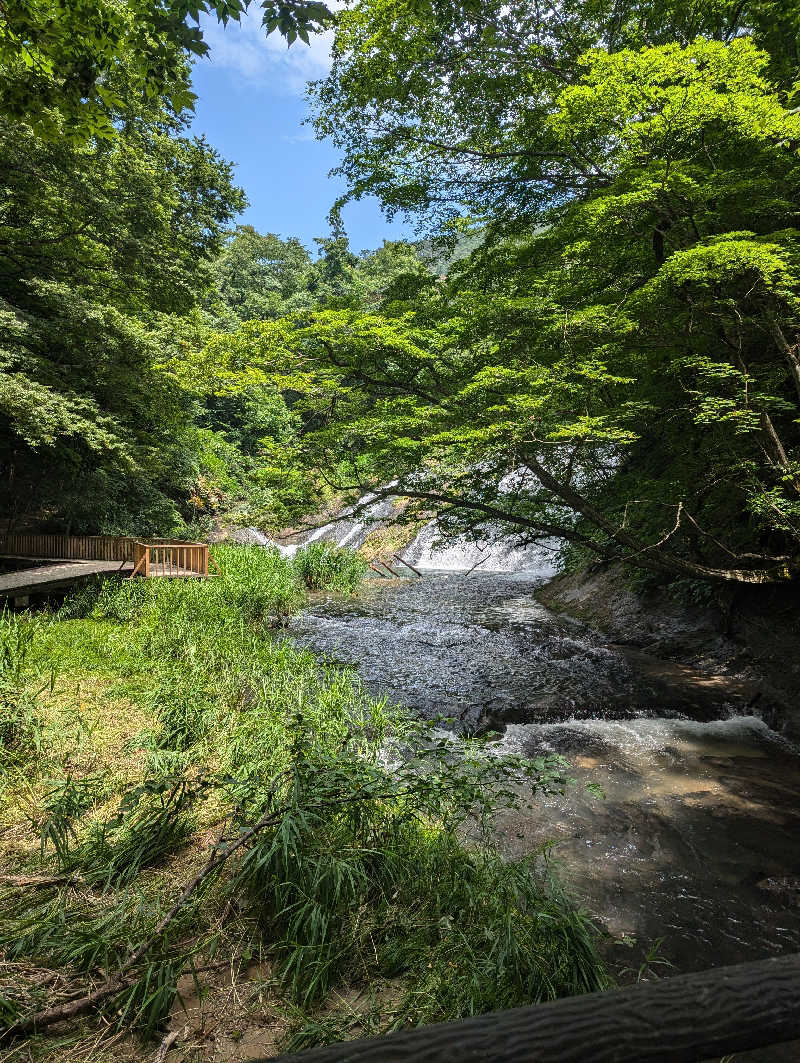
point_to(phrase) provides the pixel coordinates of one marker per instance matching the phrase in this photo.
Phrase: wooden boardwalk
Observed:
(57, 562)
(55, 576)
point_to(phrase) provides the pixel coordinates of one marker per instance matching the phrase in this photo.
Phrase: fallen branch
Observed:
(122, 978)
(165, 1046)
(40, 881)
(477, 564)
(126, 975)
(408, 564)
(389, 567)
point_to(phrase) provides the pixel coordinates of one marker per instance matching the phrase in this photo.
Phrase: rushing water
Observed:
(697, 839)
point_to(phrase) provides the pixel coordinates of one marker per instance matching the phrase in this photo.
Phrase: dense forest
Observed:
(612, 358)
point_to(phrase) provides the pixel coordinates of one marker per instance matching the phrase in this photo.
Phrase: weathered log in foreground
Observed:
(684, 1019)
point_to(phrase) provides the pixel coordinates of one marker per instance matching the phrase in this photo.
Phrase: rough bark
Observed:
(678, 1020)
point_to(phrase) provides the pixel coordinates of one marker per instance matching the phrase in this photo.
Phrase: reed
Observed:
(339, 822)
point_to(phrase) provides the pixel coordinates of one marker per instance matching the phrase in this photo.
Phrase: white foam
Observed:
(641, 736)
(430, 550)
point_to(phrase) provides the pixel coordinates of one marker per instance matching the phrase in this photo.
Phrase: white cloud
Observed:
(246, 51)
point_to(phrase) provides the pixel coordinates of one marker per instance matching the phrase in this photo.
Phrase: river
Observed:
(693, 853)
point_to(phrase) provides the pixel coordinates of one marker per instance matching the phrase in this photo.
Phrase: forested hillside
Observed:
(613, 361)
(119, 267)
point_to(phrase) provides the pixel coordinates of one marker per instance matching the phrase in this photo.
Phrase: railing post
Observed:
(159, 558)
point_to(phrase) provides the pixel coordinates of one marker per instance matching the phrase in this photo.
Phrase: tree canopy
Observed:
(70, 67)
(597, 338)
(99, 244)
(441, 107)
(618, 363)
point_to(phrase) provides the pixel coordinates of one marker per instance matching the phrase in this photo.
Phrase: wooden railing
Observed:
(170, 559)
(68, 547)
(686, 1019)
(166, 557)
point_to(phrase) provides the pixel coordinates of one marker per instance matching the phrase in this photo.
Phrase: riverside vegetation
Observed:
(595, 339)
(184, 789)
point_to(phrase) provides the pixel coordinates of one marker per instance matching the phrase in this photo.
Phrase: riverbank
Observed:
(688, 854)
(238, 844)
(744, 651)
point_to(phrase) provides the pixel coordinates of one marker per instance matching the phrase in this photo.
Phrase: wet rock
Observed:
(784, 888)
(747, 651)
(700, 801)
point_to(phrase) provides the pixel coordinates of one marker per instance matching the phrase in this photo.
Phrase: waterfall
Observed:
(431, 551)
(353, 525)
(349, 528)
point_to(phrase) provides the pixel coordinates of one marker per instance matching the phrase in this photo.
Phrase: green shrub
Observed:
(364, 877)
(323, 566)
(101, 598)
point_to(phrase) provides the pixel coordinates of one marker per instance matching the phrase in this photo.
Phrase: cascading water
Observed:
(349, 529)
(431, 551)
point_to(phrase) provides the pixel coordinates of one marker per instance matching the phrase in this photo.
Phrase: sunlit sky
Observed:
(251, 105)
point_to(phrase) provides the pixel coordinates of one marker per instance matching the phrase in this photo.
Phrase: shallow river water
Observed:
(695, 844)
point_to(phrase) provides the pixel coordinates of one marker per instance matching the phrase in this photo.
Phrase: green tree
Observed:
(440, 108)
(625, 374)
(100, 244)
(69, 67)
(394, 272)
(242, 437)
(259, 277)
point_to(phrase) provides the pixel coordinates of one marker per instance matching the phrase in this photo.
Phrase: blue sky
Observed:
(251, 108)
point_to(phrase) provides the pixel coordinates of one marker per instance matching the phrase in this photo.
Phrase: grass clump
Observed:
(323, 566)
(151, 822)
(225, 792)
(20, 723)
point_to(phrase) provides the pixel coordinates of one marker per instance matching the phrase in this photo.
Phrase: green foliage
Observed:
(358, 871)
(102, 243)
(502, 922)
(69, 933)
(249, 439)
(371, 889)
(262, 277)
(73, 67)
(256, 585)
(464, 92)
(259, 277)
(61, 808)
(152, 821)
(616, 364)
(323, 566)
(183, 709)
(107, 599)
(20, 722)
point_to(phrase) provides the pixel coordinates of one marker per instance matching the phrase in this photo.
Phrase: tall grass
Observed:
(360, 876)
(20, 722)
(323, 566)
